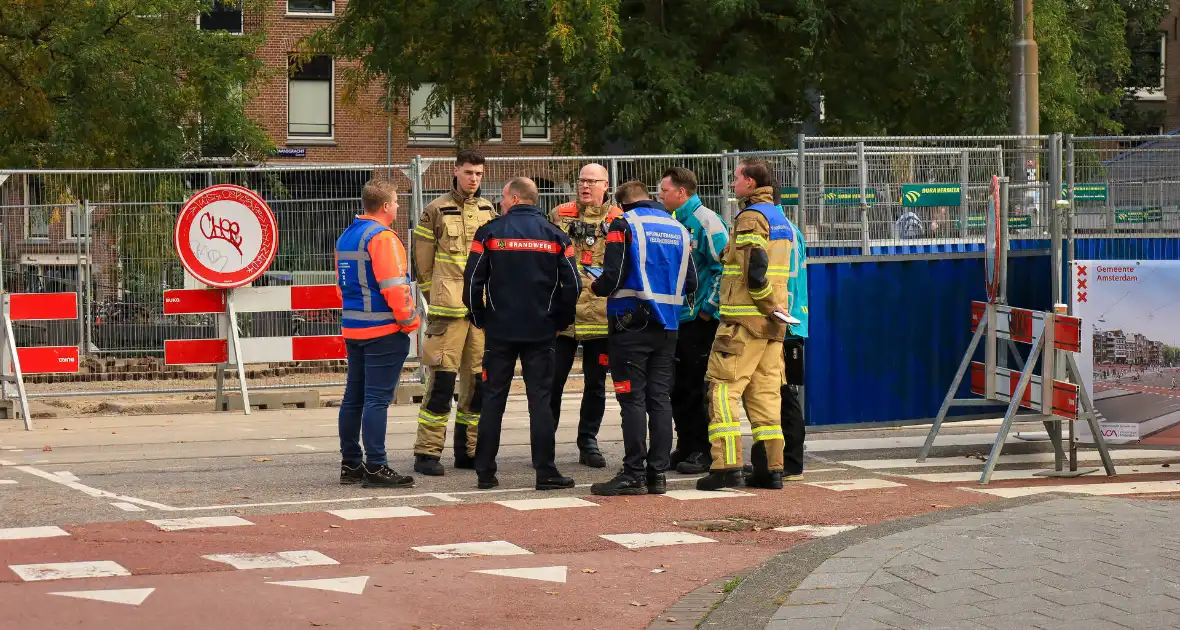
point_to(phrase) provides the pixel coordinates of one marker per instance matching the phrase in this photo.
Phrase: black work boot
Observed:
(621, 484)
(695, 464)
(486, 482)
(676, 456)
(462, 459)
(719, 479)
(554, 481)
(385, 477)
(351, 475)
(428, 465)
(657, 483)
(770, 480)
(590, 455)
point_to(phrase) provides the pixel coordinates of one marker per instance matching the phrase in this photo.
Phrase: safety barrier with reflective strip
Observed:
(43, 307)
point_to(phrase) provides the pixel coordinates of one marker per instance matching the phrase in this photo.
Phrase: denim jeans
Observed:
(374, 366)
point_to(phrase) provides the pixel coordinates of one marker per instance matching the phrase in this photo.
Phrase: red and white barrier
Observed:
(16, 362)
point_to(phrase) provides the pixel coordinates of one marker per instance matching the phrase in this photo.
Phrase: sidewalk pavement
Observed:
(1050, 563)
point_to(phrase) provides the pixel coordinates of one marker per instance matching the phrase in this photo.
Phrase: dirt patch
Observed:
(731, 524)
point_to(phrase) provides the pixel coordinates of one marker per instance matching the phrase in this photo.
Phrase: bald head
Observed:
(592, 184)
(519, 191)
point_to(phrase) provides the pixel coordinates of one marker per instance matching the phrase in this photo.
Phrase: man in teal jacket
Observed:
(793, 424)
(698, 320)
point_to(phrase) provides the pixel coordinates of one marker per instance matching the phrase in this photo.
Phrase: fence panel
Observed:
(1125, 186)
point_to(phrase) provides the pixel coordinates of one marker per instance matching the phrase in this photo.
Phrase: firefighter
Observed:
(746, 362)
(375, 327)
(452, 349)
(523, 267)
(647, 274)
(586, 221)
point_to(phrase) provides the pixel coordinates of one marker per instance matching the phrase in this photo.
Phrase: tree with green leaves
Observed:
(123, 83)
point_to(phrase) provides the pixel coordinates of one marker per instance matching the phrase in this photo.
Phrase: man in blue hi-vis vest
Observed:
(647, 272)
(792, 420)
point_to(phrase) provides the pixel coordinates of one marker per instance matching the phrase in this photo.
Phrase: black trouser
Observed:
(594, 376)
(689, 409)
(499, 364)
(642, 366)
(794, 427)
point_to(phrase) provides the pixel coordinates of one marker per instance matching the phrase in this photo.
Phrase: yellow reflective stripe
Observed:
(424, 232)
(591, 328)
(778, 271)
(751, 239)
(761, 293)
(468, 421)
(731, 270)
(738, 311)
(458, 259)
(457, 311)
(804, 309)
(431, 419)
(731, 450)
(762, 437)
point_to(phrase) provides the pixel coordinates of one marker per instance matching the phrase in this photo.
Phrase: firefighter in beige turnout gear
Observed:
(587, 221)
(452, 348)
(746, 362)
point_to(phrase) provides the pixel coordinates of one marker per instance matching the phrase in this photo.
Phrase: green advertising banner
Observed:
(789, 196)
(1014, 223)
(1085, 192)
(927, 195)
(1142, 215)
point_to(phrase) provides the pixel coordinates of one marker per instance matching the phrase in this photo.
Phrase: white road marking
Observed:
(5, 462)
(525, 505)
(845, 485)
(67, 475)
(127, 507)
(913, 441)
(1026, 458)
(817, 531)
(68, 570)
(7, 482)
(280, 560)
(351, 585)
(23, 533)
(695, 495)
(1000, 475)
(130, 596)
(656, 539)
(306, 446)
(378, 512)
(200, 522)
(1095, 489)
(544, 574)
(468, 550)
(94, 492)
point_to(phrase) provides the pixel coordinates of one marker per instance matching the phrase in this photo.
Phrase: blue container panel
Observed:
(1126, 249)
(886, 337)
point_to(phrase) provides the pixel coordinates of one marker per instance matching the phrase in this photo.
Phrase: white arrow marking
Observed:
(130, 596)
(544, 574)
(354, 585)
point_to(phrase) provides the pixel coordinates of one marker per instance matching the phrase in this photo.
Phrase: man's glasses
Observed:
(590, 182)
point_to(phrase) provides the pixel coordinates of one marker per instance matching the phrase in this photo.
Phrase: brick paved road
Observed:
(1068, 563)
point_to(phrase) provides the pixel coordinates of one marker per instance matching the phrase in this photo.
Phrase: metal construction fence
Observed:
(107, 234)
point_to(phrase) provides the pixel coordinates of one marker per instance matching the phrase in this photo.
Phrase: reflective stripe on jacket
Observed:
(657, 262)
(374, 281)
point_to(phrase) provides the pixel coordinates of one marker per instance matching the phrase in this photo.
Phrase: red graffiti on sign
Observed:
(224, 229)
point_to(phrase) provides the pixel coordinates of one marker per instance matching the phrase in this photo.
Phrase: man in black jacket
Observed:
(523, 266)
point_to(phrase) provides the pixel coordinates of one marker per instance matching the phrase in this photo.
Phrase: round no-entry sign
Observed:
(226, 236)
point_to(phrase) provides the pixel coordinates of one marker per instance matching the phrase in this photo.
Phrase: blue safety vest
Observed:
(797, 283)
(363, 305)
(780, 228)
(657, 263)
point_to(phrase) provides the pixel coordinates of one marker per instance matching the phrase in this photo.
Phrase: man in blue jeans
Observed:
(377, 315)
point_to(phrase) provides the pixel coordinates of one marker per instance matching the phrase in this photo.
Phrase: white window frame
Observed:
(1156, 92)
(537, 139)
(331, 137)
(241, 23)
(28, 235)
(78, 209)
(331, 12)
(497, 116)
(412, 117)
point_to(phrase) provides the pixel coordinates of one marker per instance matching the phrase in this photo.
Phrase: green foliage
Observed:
(122, 83)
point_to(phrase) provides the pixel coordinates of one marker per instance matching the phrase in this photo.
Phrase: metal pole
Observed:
(89, 281)
(726, 210)
(80, 211)
(1003, 267)
(416, 202)
(1055, 214)
(964, 182)
(1071, 214)
(862, 175)
(801, 181)
(1025, 106)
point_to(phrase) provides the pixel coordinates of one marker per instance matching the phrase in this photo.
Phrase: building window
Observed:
(535, 126)
(309, 98)
(38, 215)
(497, 132)
(225, 15)
(1150, 61)
(313, 7)
(427, 126)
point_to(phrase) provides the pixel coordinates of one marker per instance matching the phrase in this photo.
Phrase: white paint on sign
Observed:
(68, 570)
(378, 512)
(200, 522)
(525, 505)
(845, 485)
(129, 596)
(351, 585)
(471, 549)
(280, 560)
(816, 531)
(24, 533)
(543, 574)
(656, 539)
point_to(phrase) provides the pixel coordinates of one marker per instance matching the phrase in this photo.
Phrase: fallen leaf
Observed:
(637, 604)
(671, 620)
(334, 526)
(262, 459)
(1165, 465)
(239, 511)
(939, 506)
(235, 489)
(552, 592)
(589, 570)
(657, 570)
(316, 624)
(46, 448)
